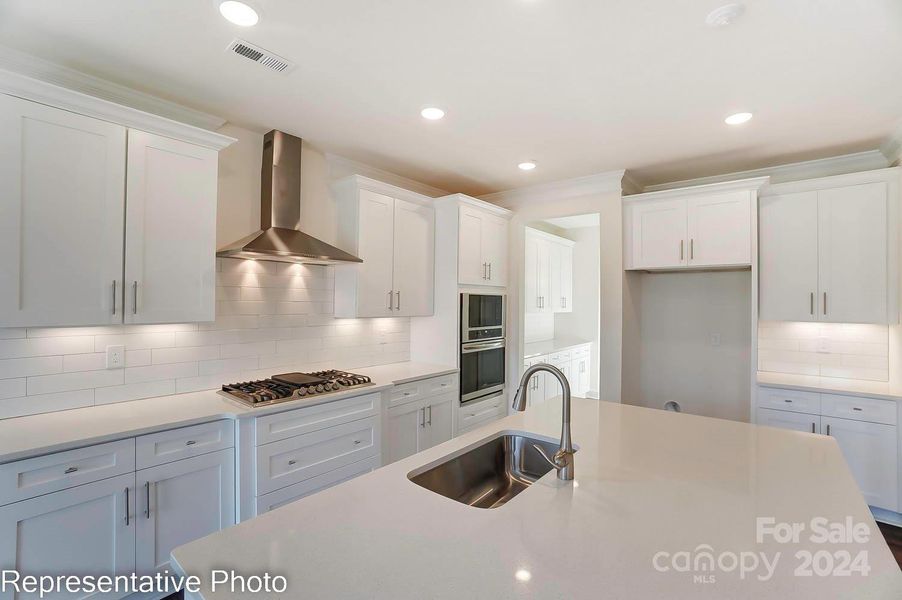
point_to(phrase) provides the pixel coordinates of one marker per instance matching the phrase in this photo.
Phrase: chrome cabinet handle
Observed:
(135, 294)
(114, 296)
(828, 429)
(825, 303)
(190, 443)
(292, 462)
(855, 408)
(681, 249)
(356, 442)
(811, 304)
(490, 271)
(391, 296)
(484, 267)
(691, 249)
(430, 415)
(398, 307)
(812, 427)
(787, 400)
(147, 499)
(127, 508)
(70, 470)
(422, 412)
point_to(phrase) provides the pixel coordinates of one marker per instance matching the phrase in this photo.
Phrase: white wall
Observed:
(582, 323)
(270, 317)
(677, 315)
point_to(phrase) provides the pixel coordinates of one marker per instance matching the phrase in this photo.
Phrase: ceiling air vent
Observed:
(260, 56)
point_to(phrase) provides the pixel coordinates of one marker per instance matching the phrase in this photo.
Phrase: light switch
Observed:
(115, 357)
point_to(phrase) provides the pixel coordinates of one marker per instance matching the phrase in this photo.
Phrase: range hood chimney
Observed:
(279, 238)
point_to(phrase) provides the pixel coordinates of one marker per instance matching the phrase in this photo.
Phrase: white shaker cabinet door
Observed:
(659, 234)
(375, 294)
(180, 502)
(531, 300)
(871, 453)
(788, 232)
(562, 278)
(494, 245)
(439, 421)
(472, 267)
(720, 229)
(414, 259)
(170, 230)
(403, 430)
(852, 254)
(62, 177)
(88, 529)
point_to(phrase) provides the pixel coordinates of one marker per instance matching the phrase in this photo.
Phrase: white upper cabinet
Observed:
(703, 227)
(393, 232)
(787, 253)
(71, 198)
(659, 234)
(482, 255)
(170, 229)
(828, 249)
(62, 177)
(548, 273)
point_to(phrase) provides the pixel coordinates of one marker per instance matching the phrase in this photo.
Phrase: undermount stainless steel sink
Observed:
(490, 474)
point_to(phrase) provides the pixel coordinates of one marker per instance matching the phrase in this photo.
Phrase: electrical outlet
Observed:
(115, 357)
(715, 339)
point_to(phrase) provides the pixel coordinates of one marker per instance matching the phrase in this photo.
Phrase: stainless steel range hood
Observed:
(280, 212)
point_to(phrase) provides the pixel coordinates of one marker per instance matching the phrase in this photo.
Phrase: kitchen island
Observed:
(664, 505)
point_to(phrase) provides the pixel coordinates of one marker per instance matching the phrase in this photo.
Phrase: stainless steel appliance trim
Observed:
(472, 347)
(486, 394)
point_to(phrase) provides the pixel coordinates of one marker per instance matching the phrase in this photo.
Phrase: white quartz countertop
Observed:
(23, 437)
(811, 383)
(649, 481)
(534, 349)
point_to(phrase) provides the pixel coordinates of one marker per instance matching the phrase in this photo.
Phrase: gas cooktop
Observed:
(292, 386)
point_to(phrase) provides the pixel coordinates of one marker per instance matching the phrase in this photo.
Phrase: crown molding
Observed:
(609, 181)
(629, 184)
(477, 203)
(381, 187)
(809, 169)
(748, 184)
(65, 77)
(341, 168)
(892, 147)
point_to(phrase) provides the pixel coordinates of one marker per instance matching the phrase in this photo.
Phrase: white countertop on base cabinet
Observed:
(649, 481)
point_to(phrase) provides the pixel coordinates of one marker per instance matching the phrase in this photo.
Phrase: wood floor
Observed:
(893, 536)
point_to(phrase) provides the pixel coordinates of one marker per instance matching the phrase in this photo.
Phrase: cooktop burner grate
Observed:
(292, 386)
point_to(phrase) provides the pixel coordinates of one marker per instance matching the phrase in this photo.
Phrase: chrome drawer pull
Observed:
(127, 508)
(190, 443)
(70, 470)
(357, 442)
(147, 499)
(786, 400)
(856, 408)
(291, 462)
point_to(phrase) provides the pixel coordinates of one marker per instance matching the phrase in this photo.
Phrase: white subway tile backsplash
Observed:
(852, 351)
(25, 367)
(271, 317)
(64, 382)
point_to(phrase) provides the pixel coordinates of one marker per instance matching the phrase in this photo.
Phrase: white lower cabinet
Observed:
(476, 413)
(866, 433)
(871, 452)
(287, 495)
(88, 529)
(575, 363)
(418, 425)
(182, 501)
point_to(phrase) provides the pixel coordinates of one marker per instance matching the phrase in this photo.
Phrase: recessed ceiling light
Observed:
(239, 13)
(432, 113)
(527, 165)
(738, 118)
(523, 575)
(725, 15)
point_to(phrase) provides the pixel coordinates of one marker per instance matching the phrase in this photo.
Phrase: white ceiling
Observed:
(580, 86)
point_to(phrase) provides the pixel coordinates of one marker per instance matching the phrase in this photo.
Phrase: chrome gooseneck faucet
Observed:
(563, 458)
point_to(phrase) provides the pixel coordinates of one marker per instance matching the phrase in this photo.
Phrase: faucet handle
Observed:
(562, 461)
(551, 460)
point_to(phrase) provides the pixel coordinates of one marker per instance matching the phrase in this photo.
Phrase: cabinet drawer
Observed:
(296, 459)
(185, 442)
(560, 357)
(859, 409)
(288, 424)
(406, 392)
(439, 385)
(792, 400)
(476, 414)
(784, 419)
(287, 495)
(44, 474)
(581, 352)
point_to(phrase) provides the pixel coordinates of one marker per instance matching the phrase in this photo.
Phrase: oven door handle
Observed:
(470, 348)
